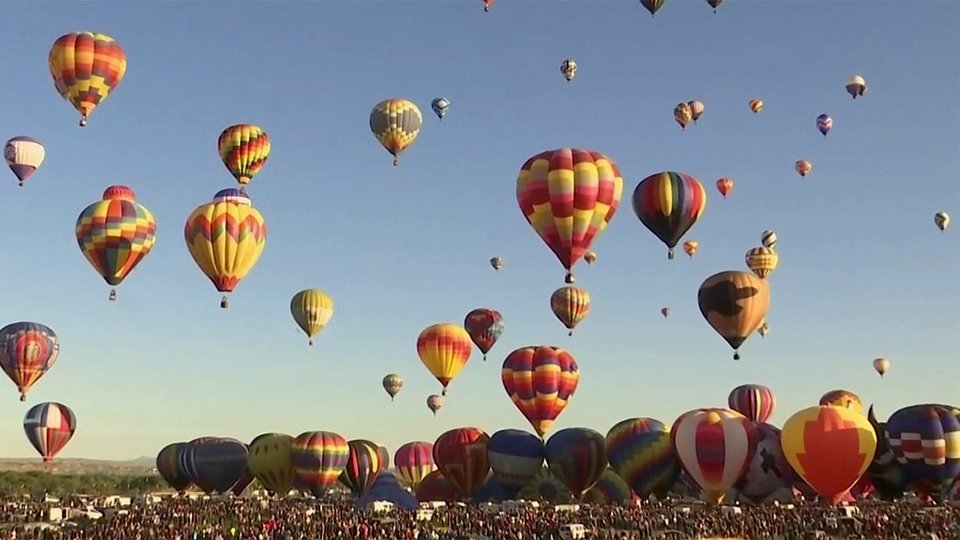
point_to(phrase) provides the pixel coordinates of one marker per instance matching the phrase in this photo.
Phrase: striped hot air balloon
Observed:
(925, 439)
(49, 427)
(540, 380)
(610, 489)
(444, 349)
(756, 105)
(715, 447)
(461, 455)
(754, 401)
(578, 457)
(641, 452)
(168, 465)
(318, 459)
(762, 261)
(414, 461)
(312, 309)
(244, 149)
(363, 466)
(668, 204)
(27, 351)
(86, 67)
(516, 458)
(396, 124)
(824, 124)
(570, 305)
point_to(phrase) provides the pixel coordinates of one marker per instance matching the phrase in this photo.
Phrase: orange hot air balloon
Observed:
(829, 447)
(734, 305)
(690, 247)
(843, 398)
(540, 381)
(571, 305)
(445, 349)
(803, 167)
(724, 186)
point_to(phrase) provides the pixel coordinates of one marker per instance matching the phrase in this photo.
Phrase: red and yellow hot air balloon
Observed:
(363, 466)
(756, 105)
(461, 456)
(319, 458)
(571, 305)
(413, 462)
(445, 349)
(829, 447)
(803, 167)
(690, 247)
(715, 447)
(754, 401)
(86, 67)
(226, 237)
(27, 351)
(540, 380)
(669, 203)
(569, 196)
(115, 234)
(244, 149)
(843, 398)
(724, 186)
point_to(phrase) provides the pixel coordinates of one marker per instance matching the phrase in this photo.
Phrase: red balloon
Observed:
(484, 326)
(461, 455)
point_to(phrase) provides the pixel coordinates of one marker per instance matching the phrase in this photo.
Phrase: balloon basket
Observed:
(113, 295)
(224, 304)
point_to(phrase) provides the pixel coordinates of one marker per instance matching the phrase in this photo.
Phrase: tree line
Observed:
(14, 484)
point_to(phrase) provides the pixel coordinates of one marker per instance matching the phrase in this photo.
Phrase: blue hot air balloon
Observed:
(926, 440)
(516, 457)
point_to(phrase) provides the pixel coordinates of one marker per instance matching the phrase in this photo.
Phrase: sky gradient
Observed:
(863, 270)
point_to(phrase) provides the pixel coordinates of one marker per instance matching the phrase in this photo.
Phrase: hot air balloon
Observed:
(570, 305)
(393, 383)
(569, 69)
(756, 105)
(844, 399)
(856, 86)
(496, 263)
(590, 257)
(484, 326)
(225, 237)
(487, 4)
(881, 366)
(610, 489)
(714, 4)
(577, 456)
(640, 451)
(363, 466)
(652, 5)
(764, 329)
(445, 349)
(396, 124)
(690, 247)
(715, 447)
(886, 474)
(665, 311)
(440, 106)
(413, 462)
(829, 447)
(942, 220)
(384, 457)
(271, 462)
(682, 115)
(49, 426)
(768, 239)
(244, 149)
(86, 67)
(24, 155)
(186, 458)
(436, 487)
(762, 261)
(219, 464)
(668, 204)
(318, 458)
(754, 401)
(803, 167)
(434, 403)
(569, 196)
(769, 470)
(696, 110)
(516, 457)
(312, 310)
(115, 234)
(925, 439)
(734, 304)
(546, 487)
(27, 351)
(461, 455)
(540, 380)
(824, 124)
(168, 465)
(724, 186)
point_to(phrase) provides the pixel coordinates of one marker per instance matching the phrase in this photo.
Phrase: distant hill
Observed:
(139, 466)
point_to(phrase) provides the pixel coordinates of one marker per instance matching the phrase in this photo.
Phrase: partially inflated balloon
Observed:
(396, 124)
(86, 67)
(49, 427)
(843, 398)
(461, 455)
(570, 305)
(640, 451)
(27, 351)
(715, 447)
(484, 326)
(244, 149)
(540, 380)
(734, 304)
(444, 349)
(754, 401)
(312, 310)
(392, 383)
(24, 155)
(668, 204)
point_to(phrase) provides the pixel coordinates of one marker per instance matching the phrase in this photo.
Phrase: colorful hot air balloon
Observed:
(86, 67)
(734, 304)
(115, 234)
(225, 237)
(762, 261)
(824, 124)
(540, 380)
(244, 149)
(610, 489)
(665, 311)
(570, 305)
(440, 106)
(769, 470)
(484, 326)
(640, 451)
(682, 115)
(434, 403)
(49, 426)
(803, 167)
(843, 398)
(764, 329)
(396, 124)
(768, 239)
(590, 257)
(856, 86)
(393, 383)
(168, 465)
(496, 263)
(941, 220)
(271, 462)
(569, 69)
(755, 402)
(881, 366)
(696, 110)
(652, 5)
(569, 196)
(714, 4)
(24, 155)
(436, 487)
(27, 351)
(318, 459)
(756, 105)
(669, 203)
(312, 310)
(690, 247)
(461, 455)
(413, 462)
(724, 186)
(363, 466)
(925, 439)
(829, 447)
(487, 4)
(445, 349)
(516, 457)
(219, 464)
(715, 447)
(578, 457)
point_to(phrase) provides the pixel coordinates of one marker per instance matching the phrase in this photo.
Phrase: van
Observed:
(572, 531)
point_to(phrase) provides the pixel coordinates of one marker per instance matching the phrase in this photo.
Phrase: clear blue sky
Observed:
(863, 271)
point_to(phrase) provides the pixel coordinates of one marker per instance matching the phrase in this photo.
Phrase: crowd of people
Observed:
(230, 519)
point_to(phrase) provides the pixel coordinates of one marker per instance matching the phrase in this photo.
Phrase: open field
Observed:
(143, 465)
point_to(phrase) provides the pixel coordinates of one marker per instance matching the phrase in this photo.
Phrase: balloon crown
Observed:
(118, 193)
(233, 195)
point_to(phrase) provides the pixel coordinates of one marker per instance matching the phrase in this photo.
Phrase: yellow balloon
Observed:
(444, 349)
(312, 309)
(269, 462)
